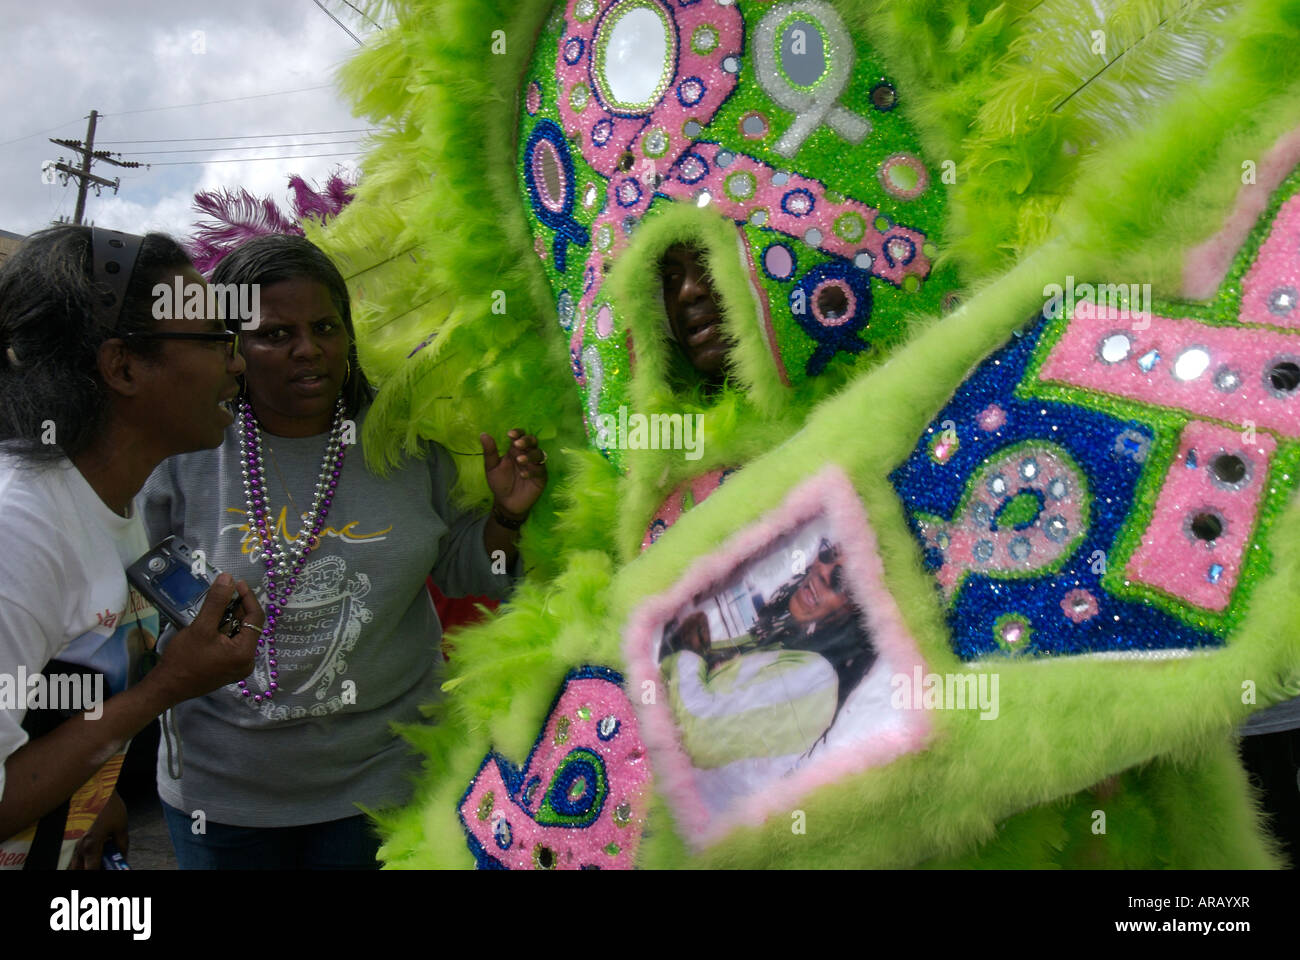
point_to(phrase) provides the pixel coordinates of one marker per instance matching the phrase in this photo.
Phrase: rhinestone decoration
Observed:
(1049, 578)
(704, 39)
(1183, 502)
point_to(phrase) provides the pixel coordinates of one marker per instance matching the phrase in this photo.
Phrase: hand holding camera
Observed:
(202, 657)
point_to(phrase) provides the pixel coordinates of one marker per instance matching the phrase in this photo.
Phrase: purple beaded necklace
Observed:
(283, 562)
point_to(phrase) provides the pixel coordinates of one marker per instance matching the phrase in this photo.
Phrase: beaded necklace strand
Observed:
(283, 562)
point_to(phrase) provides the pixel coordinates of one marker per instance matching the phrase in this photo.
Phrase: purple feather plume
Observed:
(237, 216)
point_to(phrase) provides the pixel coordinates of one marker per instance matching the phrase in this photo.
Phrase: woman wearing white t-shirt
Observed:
(94, 393)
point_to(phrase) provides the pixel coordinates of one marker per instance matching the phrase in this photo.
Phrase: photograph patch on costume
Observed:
(771, 661)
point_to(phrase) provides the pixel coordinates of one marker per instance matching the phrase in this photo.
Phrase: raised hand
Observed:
(518, 477)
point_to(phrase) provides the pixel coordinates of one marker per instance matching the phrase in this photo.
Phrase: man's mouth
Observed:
(701, 330)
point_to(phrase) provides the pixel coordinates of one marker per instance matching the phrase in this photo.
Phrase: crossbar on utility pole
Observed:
(88, 156)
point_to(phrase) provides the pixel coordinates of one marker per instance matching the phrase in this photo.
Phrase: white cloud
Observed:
(56, 67)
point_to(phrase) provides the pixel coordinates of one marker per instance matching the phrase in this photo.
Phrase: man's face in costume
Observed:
(694, 315)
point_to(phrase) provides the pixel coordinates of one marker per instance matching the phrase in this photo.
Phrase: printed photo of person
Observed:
(757, 669)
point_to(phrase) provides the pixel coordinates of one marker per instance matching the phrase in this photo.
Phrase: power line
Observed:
(204, 103)
(39, 133)
(360, 11)
(247, 136)
(259, 146)
(303, 156)
(340, 23)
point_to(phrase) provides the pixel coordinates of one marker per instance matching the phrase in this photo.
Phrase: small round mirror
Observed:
(832, 302)
(1191, 363)
(1206, 526)
(802, 55)
(1228, 468)
(1284, 376)
(636, 53)
(552, 180)
(1115, 347)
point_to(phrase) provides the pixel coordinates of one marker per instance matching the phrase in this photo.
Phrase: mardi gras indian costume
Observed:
(987, 544)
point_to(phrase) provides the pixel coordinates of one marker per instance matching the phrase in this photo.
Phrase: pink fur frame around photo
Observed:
(829, 493)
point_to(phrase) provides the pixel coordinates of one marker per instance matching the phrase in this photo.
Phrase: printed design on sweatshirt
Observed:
(314, 634)
(251, 548)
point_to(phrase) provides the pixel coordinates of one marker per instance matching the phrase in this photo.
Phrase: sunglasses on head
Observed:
(829, 553)
(113, 257)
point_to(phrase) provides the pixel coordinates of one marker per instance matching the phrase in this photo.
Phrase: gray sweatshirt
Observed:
(358, 644)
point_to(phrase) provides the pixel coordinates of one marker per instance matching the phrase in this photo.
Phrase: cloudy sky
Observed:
(59, 59)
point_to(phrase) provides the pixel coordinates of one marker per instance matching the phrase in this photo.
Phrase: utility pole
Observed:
(83, 175)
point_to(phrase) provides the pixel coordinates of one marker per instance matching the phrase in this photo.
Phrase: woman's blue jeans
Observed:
(347, 844)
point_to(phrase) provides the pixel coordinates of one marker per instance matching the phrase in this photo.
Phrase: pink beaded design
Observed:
(670, 511)
(991, 418)
(1270, 289)
(979, 541)
(580, 800)
(1219, 479)
(1233, 383)
(797, 207)
(1080, 605)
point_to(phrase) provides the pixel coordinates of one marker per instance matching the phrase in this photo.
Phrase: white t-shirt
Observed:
(63, 589)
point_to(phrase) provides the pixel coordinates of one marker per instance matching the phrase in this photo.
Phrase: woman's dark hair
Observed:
(50, 334)
(278, 257)
(775, 624)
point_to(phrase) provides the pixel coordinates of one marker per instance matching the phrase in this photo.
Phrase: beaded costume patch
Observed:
(775, 115)
(1108, 480)
(579, 801)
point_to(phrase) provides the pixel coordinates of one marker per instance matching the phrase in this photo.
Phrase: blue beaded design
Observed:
(691, 102)
(831, 340)
(612, 731)
(567, 230)
(583, 767)
(577, 47)
(578, 813)
(807, 195)
(1111, 453)
(678, 168)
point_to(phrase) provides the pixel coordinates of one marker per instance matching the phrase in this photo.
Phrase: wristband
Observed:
(506, 520)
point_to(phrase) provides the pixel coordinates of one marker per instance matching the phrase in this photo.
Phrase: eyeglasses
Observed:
(229, 337)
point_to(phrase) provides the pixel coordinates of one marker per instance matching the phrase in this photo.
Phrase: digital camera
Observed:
(175, 581)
